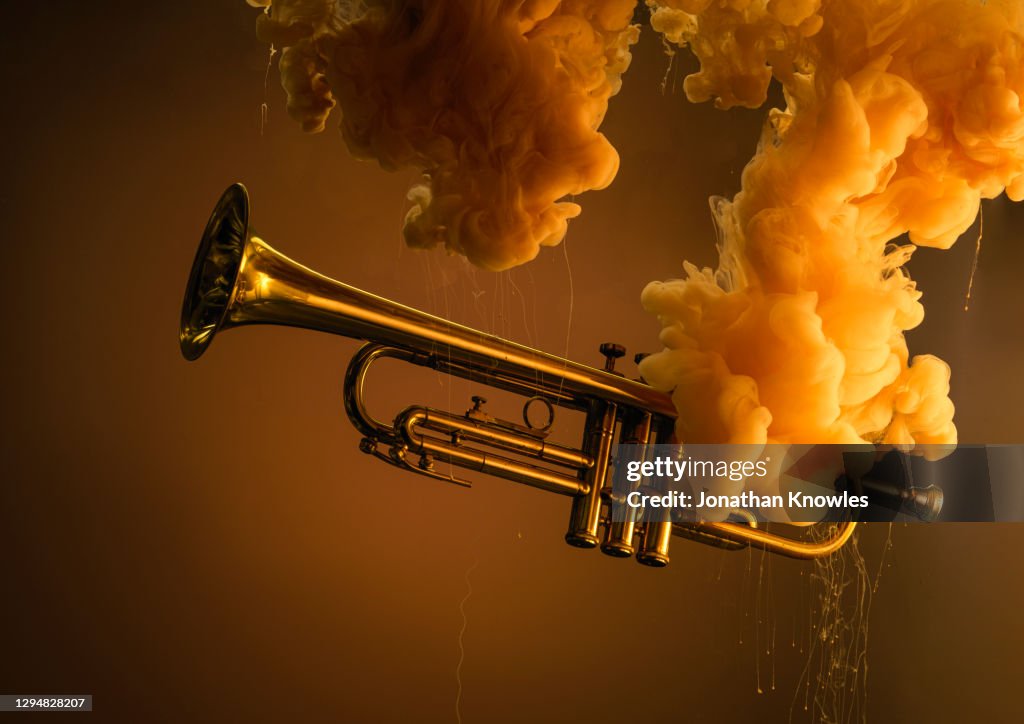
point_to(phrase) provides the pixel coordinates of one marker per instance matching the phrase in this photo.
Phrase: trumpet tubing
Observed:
(237, 279)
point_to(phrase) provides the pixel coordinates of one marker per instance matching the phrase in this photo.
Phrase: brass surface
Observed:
(237, 279)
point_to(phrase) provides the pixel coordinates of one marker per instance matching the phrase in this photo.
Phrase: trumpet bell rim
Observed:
(214, 272)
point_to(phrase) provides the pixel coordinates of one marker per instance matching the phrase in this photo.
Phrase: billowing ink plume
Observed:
(497, 102)
(901, 115)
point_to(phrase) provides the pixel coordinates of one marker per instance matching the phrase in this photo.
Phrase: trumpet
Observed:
(237, 279)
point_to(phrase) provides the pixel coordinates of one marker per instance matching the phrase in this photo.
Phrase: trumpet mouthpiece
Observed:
(926, 503)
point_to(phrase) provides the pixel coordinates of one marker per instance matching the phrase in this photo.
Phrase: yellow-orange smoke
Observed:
(497, 102)
(900, 116)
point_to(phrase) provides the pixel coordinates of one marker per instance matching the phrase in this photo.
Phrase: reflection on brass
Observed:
(238, 279)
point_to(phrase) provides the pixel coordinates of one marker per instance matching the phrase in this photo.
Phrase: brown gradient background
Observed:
(205, 543)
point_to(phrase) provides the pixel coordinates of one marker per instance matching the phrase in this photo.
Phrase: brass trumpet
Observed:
(237, 279)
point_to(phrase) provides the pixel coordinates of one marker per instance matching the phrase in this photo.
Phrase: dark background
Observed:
(204, 542)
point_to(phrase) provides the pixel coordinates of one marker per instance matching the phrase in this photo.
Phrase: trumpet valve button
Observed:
(611, 352)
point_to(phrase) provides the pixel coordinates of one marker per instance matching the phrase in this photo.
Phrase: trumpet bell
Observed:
(211, 283)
